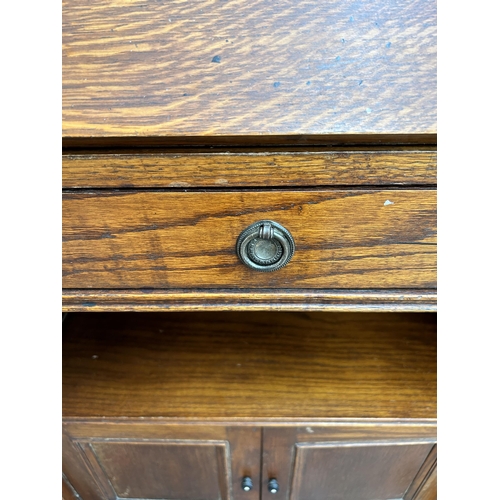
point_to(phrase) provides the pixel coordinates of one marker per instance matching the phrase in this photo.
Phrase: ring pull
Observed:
(265, 246)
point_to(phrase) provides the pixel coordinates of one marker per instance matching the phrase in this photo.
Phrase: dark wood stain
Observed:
(68, 492)
(245, 454)
(246, 141)
(334, 470)
(180, 469)
(424, 484)
(149, 459)
(360, 463)
(249, 365)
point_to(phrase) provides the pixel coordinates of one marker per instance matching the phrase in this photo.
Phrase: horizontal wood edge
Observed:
(71, 141)
(187, 149)
(224, 169)
(263, 422)
(424, 300)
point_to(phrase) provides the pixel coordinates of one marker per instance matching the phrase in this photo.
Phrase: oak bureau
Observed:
(249, 250)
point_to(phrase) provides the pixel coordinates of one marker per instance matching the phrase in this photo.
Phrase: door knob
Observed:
(246, 483)
(265, 246)
(273, 486)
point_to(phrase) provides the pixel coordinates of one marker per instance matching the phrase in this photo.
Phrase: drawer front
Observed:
(360, 239)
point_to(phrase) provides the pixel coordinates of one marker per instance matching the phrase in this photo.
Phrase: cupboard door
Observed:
(184, 470)
(356, 471)
(429, 487)
(165, 466)
(343, 464)
(68, 492)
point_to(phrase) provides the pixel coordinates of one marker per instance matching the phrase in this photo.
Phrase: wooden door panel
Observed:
(356, 471)
(77, 471)
(155, 461)
(424, 486)
(350, 461)
(68, 492)
(180, 470)
(429, 488)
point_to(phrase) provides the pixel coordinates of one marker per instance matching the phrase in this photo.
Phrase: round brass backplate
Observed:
(265, 246)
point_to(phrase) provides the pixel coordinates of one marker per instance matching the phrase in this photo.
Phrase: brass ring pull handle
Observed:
(265, 246)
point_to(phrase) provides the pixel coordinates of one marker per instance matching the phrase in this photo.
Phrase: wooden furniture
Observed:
(184, 124)
(187, 405)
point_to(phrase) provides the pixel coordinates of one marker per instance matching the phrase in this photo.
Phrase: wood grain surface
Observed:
(241, 169)
(249, 365)
(157, 239)
(155, 458)
(282, 460)
(356, 471)
(217, 68)
(424, 486)
(255, 451)
(168, 470)
(68, 492)
(255, 300)
(429, 488)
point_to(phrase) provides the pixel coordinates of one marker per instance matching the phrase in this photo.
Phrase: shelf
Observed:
(249, 365)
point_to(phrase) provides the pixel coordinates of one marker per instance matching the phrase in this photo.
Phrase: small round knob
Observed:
(273, 486)
(265, 246)
(246, 483)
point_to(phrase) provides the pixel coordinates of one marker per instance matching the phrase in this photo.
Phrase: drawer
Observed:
(352, 238)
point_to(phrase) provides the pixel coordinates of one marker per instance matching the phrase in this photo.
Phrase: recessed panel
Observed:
(372, 471)
(169, 471)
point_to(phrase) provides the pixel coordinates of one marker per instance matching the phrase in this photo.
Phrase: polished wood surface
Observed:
(261, 68)
(424, 486)
(184, 122)
(383, 461)
(344, 239)
(249, 365)
(399, 449)
(76, 469)
(152, 459)
(177, 470)
(68, 492)
(260, 450)
(357, 471)
(243, 300)
(250, 168)
(429, 488)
